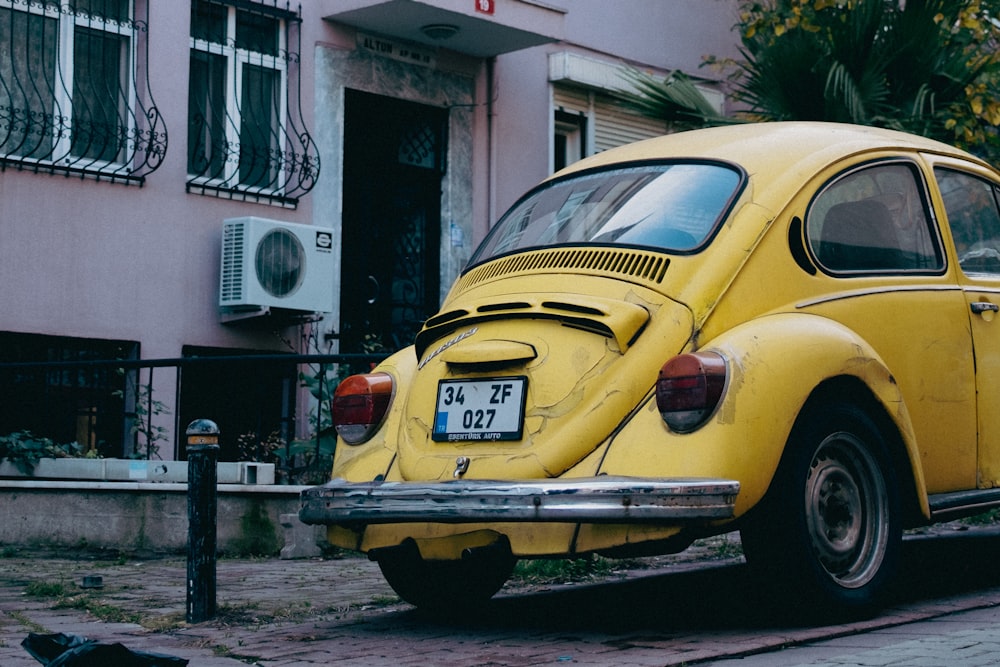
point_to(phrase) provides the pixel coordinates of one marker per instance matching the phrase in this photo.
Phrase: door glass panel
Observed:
(971, 205)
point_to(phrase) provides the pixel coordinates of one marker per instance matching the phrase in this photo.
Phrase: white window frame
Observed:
(64, 64)
(236, 61)
(573, 134)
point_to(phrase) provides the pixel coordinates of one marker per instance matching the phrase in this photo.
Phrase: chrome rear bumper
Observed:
(577, 500)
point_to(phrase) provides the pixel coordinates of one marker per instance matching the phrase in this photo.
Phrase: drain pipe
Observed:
(491, 185)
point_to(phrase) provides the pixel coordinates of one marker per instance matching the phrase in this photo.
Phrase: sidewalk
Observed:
(282, 613)
(142, 605)
(964, 639)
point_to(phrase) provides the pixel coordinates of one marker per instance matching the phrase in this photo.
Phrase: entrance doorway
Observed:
(394, 159)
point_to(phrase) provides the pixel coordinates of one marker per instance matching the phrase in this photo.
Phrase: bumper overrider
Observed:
(602, 499)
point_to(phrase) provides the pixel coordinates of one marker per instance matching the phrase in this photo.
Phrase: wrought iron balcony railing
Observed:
(75, 96)
(246, 134)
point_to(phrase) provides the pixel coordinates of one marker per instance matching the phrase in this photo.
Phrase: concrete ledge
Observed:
(151, 518)
(137, 470)
(171, 487)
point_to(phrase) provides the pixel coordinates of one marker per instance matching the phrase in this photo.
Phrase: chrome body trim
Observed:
(604, 499)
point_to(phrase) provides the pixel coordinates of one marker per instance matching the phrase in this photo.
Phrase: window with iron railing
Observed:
(245, 130)
(74, 91)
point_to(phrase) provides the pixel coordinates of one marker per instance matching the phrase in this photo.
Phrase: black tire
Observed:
(829, 530)
(450, 586)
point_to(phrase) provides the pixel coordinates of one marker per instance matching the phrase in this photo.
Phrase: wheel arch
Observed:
(785, 365)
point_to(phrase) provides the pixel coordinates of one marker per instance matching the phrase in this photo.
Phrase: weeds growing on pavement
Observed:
(107, 613)
(592, 567)
(221, 650)
(65, 596)
(27, 622)
(164, 623)
(984, 519)
(726, 548)
(45, 589)
(242, 611)
(563, 571)
(383, 601)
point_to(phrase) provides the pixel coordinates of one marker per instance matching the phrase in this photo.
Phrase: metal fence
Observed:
(272, 408)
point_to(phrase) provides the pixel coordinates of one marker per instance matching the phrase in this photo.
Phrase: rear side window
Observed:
(874, 220)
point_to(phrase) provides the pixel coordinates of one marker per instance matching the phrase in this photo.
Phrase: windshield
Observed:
(673, 207)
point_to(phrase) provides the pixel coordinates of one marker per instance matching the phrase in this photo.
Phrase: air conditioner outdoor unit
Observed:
(270, 264)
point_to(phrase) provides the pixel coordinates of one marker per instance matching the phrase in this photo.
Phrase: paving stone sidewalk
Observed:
(297, 613)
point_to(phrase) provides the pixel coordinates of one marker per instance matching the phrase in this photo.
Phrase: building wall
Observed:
(652, 35)
(87, 258)
(92, 259)
(672, 34)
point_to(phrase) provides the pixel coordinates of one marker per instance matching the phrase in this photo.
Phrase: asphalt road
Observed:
(700, 609)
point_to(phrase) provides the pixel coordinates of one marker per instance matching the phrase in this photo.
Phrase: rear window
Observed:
(671, 207)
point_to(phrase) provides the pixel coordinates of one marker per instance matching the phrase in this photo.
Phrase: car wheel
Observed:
(449, 586)
(829, 529)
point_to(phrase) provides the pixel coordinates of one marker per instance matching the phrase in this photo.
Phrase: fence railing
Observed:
(269, 407)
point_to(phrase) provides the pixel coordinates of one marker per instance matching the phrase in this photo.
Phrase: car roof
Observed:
(804, 146)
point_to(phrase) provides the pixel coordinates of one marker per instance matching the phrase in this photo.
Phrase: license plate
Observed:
(486, 409)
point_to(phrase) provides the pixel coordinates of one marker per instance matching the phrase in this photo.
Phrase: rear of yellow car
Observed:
(486, 441)
(642, 352)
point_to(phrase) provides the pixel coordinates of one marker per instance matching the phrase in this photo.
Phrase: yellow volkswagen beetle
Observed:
(785, 329)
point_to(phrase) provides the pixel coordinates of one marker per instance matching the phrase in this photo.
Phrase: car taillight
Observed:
(359, 405)
(689, 389)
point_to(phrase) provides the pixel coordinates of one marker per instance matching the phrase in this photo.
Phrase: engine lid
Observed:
(525, 388)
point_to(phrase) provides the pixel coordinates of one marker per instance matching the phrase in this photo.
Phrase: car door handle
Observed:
(984, 306)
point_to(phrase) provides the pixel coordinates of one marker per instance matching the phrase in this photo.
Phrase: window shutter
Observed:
(615, 125)
(571, 100)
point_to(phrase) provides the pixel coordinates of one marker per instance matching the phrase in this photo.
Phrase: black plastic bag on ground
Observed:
(62, 650)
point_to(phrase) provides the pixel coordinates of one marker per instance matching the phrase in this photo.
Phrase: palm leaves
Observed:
(675, 99)
(924, 66)
(907, 65)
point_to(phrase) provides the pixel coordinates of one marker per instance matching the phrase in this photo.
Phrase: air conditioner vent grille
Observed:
(232, 283)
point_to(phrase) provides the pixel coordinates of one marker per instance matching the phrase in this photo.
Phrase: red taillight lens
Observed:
(689, 389)
(360, 404)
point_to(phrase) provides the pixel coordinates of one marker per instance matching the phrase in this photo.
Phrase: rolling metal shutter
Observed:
(613, 124)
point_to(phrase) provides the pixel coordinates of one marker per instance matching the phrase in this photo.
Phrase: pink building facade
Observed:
(217, 177)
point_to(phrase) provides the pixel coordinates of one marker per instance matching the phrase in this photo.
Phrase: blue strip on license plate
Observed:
(482, 409)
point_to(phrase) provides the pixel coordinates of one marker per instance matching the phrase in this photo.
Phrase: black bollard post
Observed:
(202, 457)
